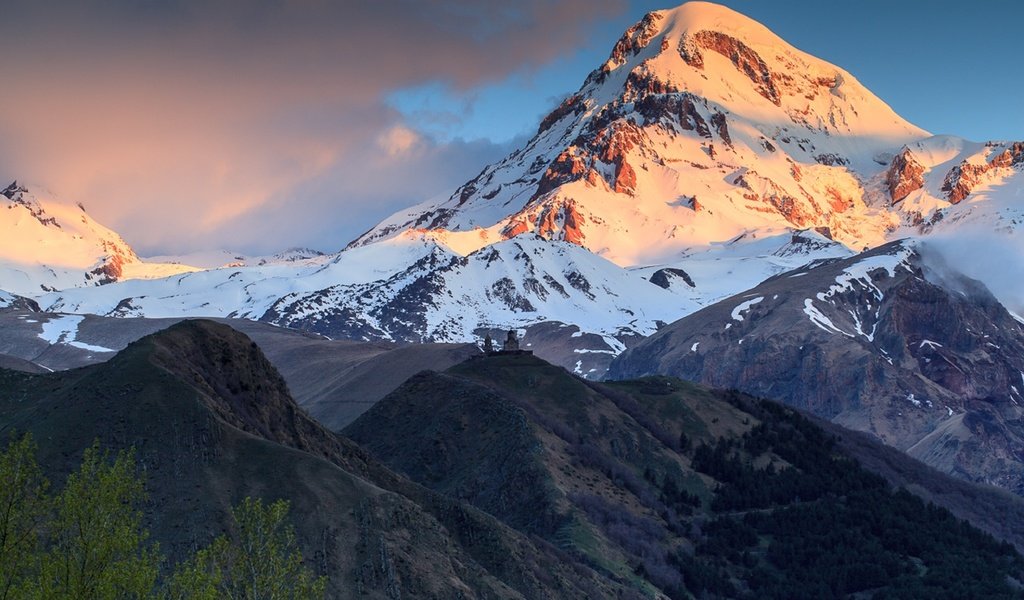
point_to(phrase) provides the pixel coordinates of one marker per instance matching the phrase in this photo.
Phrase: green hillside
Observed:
(212, 423)
(665, 485)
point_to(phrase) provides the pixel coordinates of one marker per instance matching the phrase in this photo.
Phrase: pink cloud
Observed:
(180, 123)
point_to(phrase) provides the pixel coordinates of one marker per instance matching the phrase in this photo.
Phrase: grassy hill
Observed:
(506, 477)
(212, 422)
(669, 487)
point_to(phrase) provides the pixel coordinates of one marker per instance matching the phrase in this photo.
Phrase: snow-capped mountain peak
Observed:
(700, 126)
(48, 244)
(731, 60)
(704, 156)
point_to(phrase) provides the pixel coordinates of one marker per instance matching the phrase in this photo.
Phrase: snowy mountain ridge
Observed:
(890, 341)
(48, 245)
(943, 182)
(702, 125)
(411, 288)
(216, 259)
(703, 157)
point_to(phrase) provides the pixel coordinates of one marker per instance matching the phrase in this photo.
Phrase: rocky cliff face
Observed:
(15, 302)
(904, 176)
(884, 342)
(962, 179)
(945, 184)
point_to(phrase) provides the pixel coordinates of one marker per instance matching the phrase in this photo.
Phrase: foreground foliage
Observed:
(23, 508)
(95, 543)
(261, 561)
(89, 543)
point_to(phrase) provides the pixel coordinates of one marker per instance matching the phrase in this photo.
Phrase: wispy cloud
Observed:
(972, 251)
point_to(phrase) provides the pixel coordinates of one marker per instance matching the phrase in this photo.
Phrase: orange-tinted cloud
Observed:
(182, 123)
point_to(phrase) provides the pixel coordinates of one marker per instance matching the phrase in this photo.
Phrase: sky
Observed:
(257, 125)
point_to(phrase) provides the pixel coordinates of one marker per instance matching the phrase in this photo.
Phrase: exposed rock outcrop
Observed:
(963, 178)
(571, 105)
(665, 277)
(904, 176)
(741, 55)
(635, 39)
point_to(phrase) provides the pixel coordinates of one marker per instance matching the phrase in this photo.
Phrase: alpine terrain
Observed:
(703, 156)
(889, 341)
(706, 161)
(48, 245)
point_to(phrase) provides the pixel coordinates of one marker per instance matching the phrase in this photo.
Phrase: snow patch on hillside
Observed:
(818, 318)
(737, 313)
(63, 329)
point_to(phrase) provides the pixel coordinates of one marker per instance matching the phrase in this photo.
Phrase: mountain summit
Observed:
(700, 126)
(47, 244)
(702, 157)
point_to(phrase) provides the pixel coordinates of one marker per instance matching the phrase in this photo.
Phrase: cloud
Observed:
(399, 140)
(383, 184)
(179, 122)
(972, 251)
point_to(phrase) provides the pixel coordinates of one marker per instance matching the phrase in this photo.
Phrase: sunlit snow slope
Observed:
(704, 156)
(701, 126)
(47, 245)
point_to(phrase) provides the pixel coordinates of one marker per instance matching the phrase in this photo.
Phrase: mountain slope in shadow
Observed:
(212, 422)
(675, 488)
